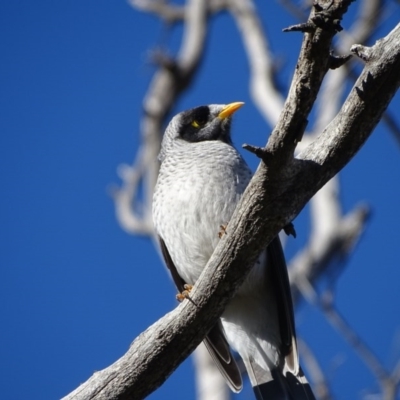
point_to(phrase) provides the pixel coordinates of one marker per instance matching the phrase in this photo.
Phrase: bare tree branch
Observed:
(173, 76)
(320, 386)
(210, 384)
(388, 384)
(262, 75)
(327, 248)
(278, 191)
(310, 71)
(169, 12)
(396, 373)
(296, 10)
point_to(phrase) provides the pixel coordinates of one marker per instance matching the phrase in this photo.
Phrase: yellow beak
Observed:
(228, 110)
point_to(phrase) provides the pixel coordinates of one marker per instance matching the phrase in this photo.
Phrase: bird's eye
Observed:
(196, 123)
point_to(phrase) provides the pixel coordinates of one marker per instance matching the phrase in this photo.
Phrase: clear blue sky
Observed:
(75, 289)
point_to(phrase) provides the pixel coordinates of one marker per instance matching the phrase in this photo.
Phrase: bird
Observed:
(201, 179)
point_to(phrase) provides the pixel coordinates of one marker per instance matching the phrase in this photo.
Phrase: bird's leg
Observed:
(222, 230)
(185, 293)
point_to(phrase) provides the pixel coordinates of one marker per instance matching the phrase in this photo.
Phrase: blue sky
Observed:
(75, 289)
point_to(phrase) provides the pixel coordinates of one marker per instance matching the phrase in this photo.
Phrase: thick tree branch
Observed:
(333, 235)
(274, 196)
(311, 68)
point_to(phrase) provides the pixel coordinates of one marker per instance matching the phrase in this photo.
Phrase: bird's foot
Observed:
(289, 229)
(185, 293)
(222, 230)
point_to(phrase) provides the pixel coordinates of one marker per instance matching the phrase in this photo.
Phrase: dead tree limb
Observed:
(278, 191)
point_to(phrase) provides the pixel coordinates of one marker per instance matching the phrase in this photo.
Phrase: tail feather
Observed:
(277, 385)
(299, 386)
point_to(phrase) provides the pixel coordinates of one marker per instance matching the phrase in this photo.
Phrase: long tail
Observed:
(278, 385)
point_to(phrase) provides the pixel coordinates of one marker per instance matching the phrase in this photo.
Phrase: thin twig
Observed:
(320, 385)
(388, 385)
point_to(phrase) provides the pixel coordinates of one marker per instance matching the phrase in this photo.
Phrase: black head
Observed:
(199, 124)
(203, 123)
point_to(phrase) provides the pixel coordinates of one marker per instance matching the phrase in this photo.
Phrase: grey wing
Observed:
(293, 375)
(179, 282)
(220, 352)
(279, 275)
(215, 341)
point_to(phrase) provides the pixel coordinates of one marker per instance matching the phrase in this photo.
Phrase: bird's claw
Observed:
(185, 293)
(289, 229)
(222, 230)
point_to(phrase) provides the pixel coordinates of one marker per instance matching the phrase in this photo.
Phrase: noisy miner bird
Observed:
(201, 179)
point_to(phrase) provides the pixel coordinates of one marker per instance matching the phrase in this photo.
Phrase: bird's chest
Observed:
(204, 202)
(190, 206)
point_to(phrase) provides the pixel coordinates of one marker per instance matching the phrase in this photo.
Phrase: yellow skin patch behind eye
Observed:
(195, 124)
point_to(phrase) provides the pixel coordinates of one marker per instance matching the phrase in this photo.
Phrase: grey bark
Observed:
(279, 190)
